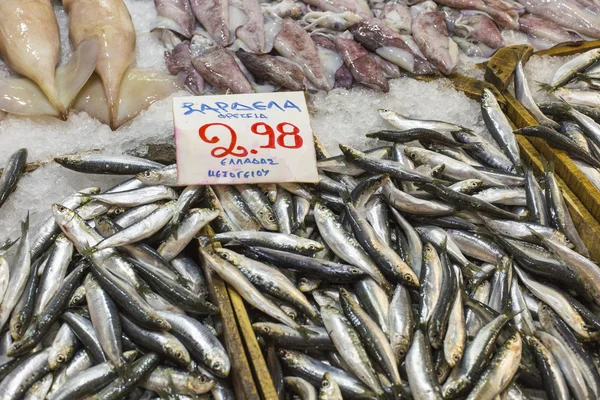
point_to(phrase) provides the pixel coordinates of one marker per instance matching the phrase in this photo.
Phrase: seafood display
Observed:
(432, 265)
(569, 121)
(338, 42)
(103, 38)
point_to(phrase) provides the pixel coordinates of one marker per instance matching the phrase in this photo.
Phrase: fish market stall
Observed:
(440, 255)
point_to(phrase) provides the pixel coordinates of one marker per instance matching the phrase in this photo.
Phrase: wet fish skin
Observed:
(559, 141)
(438, 323)
(554, 382)
(107, 164)
(84, 330)
(497, 376)
(313, 370)
(201, 343)
(12, 173)
(138, 371)
(63, 347)
(162, 343)
(284, 336)
(345, 245)
(105, 321)
(278, 284)
(386, 258)
(19, 274)
(35, 331)
(234, 277)
(560, 217)
(500, 127)
(347, 342)
(535, 198)
(421, 377)
(31, 369)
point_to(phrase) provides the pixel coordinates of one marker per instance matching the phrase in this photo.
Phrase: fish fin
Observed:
(7, 245)
(25, 225)
(536, 235)
(139, 89)
(23, 97)
(73, 75)
(545, 87)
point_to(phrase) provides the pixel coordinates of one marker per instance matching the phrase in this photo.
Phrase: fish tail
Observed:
(545, 87)
(25, 225)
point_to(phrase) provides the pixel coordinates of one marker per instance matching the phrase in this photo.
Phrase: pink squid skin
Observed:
(397, 17)
(180, 60)
(221, 70)
(363, 67)
(512, 8)
(482, 29)
(272, 69)
(252, 33)
(295, 44)
(339, 6)
(176, 15)
(566, 13)
(343, 76)
(214, 16)
(431, 34)
(544, 29)
(373, 34)
(502, 18)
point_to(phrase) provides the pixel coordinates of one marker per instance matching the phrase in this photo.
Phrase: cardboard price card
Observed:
(259, 138)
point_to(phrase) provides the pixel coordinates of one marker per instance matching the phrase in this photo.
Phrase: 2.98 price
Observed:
(284, 135)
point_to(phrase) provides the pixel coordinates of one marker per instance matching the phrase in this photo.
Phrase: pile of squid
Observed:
(247, 46)
(435, 266)
(572, 123)
(96, 79)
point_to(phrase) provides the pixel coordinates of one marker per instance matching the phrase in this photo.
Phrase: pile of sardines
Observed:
(436, 266)
(572, 123)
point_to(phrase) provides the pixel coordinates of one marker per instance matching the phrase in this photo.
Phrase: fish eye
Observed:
(284, 353)
(456, 357)
(355, 270)
(473, 184)
(413, 155)
(147, 174)
(203, 379)
(401, 353)
(266, 329)
(408, 277)
(179, 354)
(60, 358)
(325, 383)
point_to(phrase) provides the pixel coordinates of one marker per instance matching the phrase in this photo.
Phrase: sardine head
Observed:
(150, 177)
(62, 214)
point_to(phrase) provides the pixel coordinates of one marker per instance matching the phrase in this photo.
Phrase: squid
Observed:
(30, 45)
(126, 92)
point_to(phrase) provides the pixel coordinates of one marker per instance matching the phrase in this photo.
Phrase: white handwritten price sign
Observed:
(261, 137)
